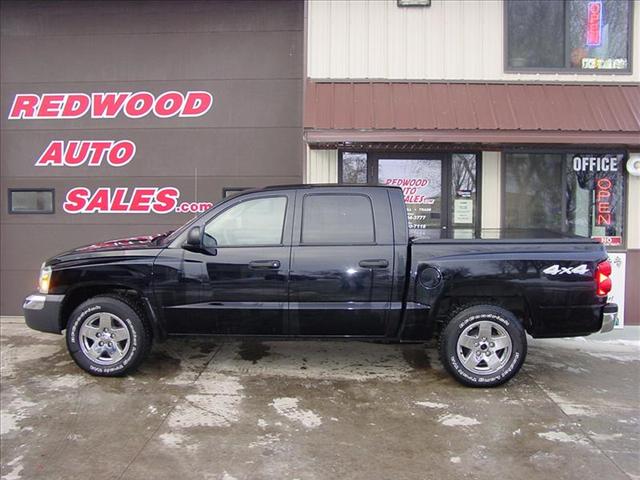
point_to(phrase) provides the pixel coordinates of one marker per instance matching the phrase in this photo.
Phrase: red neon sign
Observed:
(604, 215)
(594, 23)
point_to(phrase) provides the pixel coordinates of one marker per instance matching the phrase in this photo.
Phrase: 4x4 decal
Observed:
(558, 270)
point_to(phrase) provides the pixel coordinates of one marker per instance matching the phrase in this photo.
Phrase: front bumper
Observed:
(42, 312)
(609, 317)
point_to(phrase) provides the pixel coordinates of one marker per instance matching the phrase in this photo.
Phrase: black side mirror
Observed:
(194, 239)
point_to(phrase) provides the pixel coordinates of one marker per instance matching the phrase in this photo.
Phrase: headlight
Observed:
(45, 278)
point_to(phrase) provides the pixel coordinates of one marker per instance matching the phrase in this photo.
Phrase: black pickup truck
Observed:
(323, 261)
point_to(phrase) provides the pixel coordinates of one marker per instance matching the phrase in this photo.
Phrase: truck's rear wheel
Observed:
(483, 346)
(107, 336)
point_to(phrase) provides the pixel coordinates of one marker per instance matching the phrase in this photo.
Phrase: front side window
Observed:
(337, 219)
(254, 222)
(577, 193)
(579, 35)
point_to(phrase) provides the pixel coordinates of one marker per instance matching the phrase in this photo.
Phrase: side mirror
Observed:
(193, 238)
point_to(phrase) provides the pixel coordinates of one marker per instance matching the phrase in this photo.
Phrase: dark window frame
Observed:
(10, 191)
(333, 244)
(447, 161)
(566, 151)
(567, 54)
(228, 192)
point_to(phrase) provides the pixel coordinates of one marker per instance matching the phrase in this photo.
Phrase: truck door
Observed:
(244, 269)
(341, 262)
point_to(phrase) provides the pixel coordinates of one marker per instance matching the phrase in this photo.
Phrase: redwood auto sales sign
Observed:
(114, 153)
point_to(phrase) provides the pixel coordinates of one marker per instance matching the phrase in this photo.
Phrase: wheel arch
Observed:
(449, 306)
(81, 293)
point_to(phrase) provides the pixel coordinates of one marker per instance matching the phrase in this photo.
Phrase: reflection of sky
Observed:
(410, 169)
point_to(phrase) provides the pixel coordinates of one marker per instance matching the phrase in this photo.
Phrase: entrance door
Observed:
(440, 188)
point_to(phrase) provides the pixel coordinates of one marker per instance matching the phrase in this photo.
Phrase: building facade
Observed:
(489, 114)
(56, 193)
(123, 119)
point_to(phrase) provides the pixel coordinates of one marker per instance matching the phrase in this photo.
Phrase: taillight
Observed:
(603, 279)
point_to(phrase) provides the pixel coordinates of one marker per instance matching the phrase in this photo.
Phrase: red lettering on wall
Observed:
(24, 106)
(107, 105)
(122, 200)
(197, 104)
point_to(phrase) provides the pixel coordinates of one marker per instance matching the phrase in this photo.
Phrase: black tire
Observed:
(122, 313)
(502, 369)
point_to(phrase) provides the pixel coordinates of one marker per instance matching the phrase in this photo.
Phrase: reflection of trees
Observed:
(615, 15)
(536, 33)
(534, 191)
(354, 168)
(464, 172)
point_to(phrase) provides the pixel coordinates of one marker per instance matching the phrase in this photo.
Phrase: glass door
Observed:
(421, 183)
(440, 189)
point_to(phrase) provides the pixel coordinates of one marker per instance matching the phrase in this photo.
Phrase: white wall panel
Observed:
(491, 190)
(450, 40)
(633, 216)
(322, 166)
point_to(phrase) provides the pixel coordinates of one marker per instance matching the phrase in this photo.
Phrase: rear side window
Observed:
(331, 219)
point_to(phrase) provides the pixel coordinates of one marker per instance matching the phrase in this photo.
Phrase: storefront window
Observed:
(578, 193)
(420, 180)
(572, 34)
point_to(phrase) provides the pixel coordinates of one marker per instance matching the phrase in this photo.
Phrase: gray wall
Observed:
(249, 55)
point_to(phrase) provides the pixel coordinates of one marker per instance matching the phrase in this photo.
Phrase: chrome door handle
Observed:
(264, 264)
(377, 263)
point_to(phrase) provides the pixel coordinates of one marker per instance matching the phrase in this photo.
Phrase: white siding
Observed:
(491, 190)
(322, 166)
(633, 216)
(450, 40)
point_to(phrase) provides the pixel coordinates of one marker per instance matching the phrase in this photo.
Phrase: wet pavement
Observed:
(227, 409)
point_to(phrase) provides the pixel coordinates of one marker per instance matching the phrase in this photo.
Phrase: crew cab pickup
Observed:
(313, 261)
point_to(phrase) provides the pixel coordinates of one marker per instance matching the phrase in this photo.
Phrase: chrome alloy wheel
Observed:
(484, 347)
(104, 338)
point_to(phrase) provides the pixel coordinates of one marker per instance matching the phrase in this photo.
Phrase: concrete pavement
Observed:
(223, 409)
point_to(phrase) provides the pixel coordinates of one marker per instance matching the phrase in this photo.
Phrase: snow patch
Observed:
(563, 437)
(172, 439)
(432, 404)
(452, 420)
(12, 413)
(605, 437)
(288, 407)
(65, 382)
(217, 406)
(16, 472)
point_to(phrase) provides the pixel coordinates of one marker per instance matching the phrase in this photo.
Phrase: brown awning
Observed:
(480, 113)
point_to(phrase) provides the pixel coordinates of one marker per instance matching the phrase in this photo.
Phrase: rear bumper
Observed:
(42, 312)
(609, 317)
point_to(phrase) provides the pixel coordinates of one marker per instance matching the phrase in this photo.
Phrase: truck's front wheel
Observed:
(483, 346)
(107, 336)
